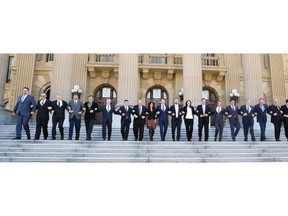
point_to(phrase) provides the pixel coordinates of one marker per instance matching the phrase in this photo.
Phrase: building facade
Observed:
(146, 76)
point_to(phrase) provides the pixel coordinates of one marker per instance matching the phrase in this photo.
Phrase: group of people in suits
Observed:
(148, 116)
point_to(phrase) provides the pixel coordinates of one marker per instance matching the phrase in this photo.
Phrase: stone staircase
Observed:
(144, 151)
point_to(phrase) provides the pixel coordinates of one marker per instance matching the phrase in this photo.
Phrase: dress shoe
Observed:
(220, 140)
(53, 138)
(215, 139)
(109, 139)
(28, 138)
(36, 139)
(278, 140)
(62, 138)
(76, 138)
(17, 138)
(136, 139)
(173, 139)
(69, 138)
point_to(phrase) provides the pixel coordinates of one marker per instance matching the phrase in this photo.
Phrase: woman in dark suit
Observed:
(90, 108)
(151, 119)
(188, 113)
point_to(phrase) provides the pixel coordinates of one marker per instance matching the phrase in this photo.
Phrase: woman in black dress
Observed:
(188, 113)
(151, 119)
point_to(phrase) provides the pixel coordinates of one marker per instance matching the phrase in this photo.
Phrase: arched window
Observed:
(155, 93)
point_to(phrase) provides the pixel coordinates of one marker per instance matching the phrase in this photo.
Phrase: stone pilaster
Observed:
(277, 78)
(61, 76)
(80, 74)
(4, 58)
(128, 78)
(232, 78)
(252, 77)
(23, 75)
(192, 78)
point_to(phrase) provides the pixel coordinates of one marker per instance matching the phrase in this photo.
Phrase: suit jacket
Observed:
(218, 116)
(261, 116)
(90, 113)
(200, 111)
(284, 109)
(125, 114)
(59, 112)
(163, 115)
(233, 113)
(107, 116)
(249, 118)
(142, 115)
(25, 107)
(76, 107)
(172, 112)
(42, 110)
(184, 111)
(275, 109)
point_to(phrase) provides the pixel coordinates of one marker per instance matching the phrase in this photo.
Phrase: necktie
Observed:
(233, 107)
(42, 102)
(247, 108)
(140, 110)
(176, 110)
(22, 98)
(75, 101)
(262, 107)
(58, 104)
(108, 108)
(126, 108)
(163, 108)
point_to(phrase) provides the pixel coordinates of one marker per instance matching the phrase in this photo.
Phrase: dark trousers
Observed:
(286, 128)
(246, 129)
(277, 129)
(262, 125)
(77, 122)
(206, 130)
(22, 120)
(234, 125)
(163, 125)
(218, 130)
(89, 123)
(176, 123)
(107, 124)
(138, 126)
(125, 126)
(60, 122)
(189, 128)
(41, 123)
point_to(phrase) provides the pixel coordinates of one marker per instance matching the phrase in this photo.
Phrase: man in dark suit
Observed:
(107, 117)
(203, 112)
(75, 107)
(276, 118)
(219, 122)
(176, 112)
(58, 108)
(125, 112)
(139, 113)
(90, 108)
(261, 110)
(284, 109)
(231, 112)
(162, 114)
(43, 108)
(247, 112)
(25, 107)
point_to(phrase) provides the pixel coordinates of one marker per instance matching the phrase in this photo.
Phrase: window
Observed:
(49, 57)
(266, 61)
(39, 57)
(106, 92)
(208, 55)
(9, 70)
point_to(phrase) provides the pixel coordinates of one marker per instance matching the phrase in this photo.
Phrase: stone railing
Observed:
(210, 62)
(158, 59)
(105, 58)
(178, 60)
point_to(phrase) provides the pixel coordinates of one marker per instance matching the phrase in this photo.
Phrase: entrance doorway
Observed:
(212, 98)
(101, 94)
(155, 93)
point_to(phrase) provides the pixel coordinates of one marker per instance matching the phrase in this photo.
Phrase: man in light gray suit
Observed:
(75, 108)
(24, 109)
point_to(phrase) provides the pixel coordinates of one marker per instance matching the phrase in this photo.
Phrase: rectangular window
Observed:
(266, 61)
(9, 71)
(49, 57)
(39, 57)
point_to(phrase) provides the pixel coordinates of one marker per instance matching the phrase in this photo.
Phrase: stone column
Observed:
(192, 78)
(232, 78)
(23, 75)
(61, 76)
(80, 74)
(277, 78)
(128, 79)
(252, 77)
(4, 58)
